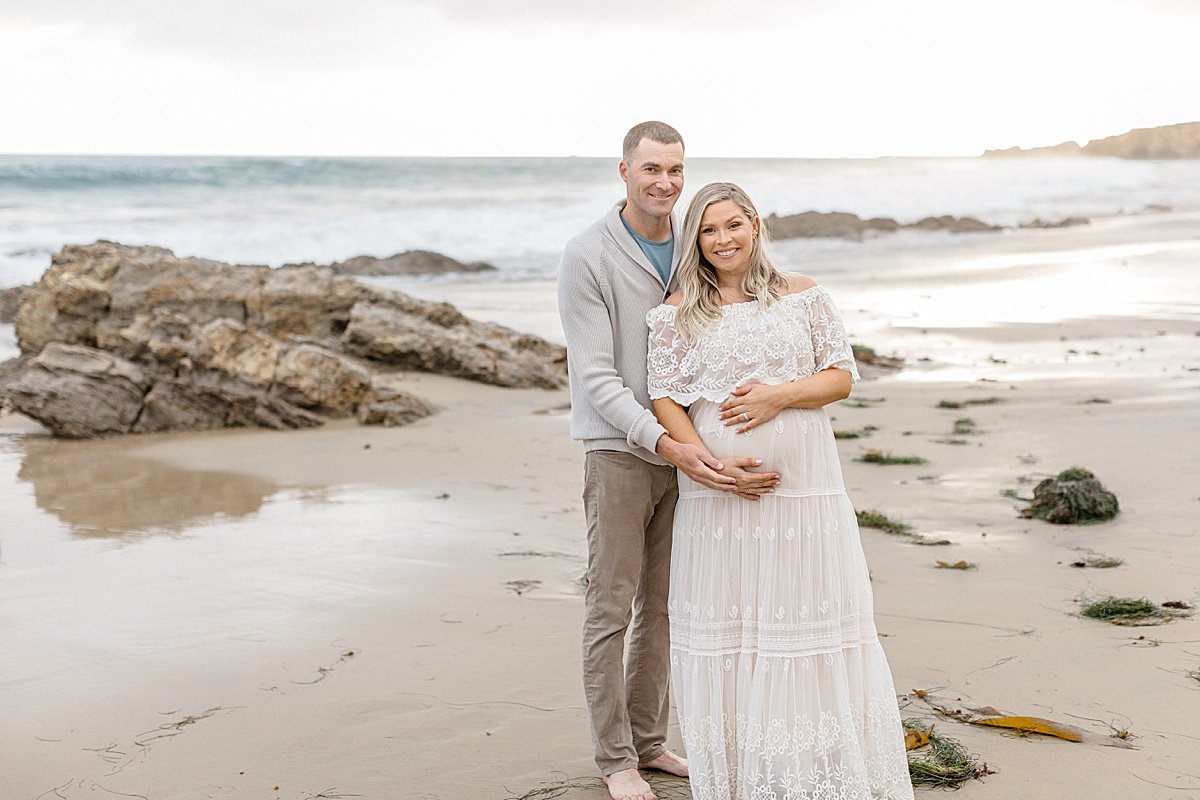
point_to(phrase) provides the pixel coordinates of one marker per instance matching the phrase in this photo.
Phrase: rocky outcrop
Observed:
(119, 339)
(833, 224)
(1063, 149)
(1166, 141)
(10, 301)
(841, 224)
(410, 262)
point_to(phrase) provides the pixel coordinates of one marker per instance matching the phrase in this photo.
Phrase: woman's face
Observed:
(726, 237)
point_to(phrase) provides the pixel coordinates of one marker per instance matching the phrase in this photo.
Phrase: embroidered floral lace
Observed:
(782, 688)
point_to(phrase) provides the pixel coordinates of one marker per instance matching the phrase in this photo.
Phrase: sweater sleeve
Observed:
(591, 352)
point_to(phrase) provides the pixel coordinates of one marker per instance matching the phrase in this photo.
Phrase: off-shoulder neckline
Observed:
(749, 302)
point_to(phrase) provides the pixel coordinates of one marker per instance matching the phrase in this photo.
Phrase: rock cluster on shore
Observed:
(841, 224)
(1167, 141)
(410, 262)
(118, 339)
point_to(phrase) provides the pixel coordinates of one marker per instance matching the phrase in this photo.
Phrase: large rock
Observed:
(832, 224)
(10, 301)
(410, 262)
(119, 339)
(444, 341)
(78, 391)
(841, 224)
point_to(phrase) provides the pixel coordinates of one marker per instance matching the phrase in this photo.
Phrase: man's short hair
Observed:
(653, 130)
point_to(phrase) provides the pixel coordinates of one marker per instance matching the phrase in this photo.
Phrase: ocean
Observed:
(515, 213)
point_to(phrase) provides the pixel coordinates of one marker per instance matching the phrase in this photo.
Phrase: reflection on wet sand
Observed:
(99, 490)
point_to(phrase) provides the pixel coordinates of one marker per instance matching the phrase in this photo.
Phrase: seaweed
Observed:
(880, 521)
(946, 763)
(1098, 562)
(978, 401)
(1073, 497)
(880, 457)
(1131, 611)
(964, 426)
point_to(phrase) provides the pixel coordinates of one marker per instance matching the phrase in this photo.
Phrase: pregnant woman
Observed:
(782, 688)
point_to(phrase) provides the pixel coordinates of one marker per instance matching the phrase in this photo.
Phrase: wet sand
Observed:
(394, 613)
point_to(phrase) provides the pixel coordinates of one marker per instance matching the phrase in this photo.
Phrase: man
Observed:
(610, 276)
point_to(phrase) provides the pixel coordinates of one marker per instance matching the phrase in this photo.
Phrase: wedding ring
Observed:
(745, 416)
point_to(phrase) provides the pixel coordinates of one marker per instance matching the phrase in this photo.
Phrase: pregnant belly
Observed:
(798, 444)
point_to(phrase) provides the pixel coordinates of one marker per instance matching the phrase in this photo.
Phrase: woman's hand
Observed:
(753, 404)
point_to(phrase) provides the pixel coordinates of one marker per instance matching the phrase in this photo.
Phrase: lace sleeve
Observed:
(665, 358)
(831, 345)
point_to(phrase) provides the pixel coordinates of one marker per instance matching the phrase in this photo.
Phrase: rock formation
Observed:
(10, 301)
(844, 225)
(410, 262)
(1166, 141)
(1169, 141)
(118, 339)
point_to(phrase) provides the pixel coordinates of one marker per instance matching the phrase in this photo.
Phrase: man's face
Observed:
(653, 178)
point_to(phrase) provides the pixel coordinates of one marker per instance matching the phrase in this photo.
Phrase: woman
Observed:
(782, 688)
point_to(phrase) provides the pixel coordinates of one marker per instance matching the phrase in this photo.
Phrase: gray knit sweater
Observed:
(606, 286)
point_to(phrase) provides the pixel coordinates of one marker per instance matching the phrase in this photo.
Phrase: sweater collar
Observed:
(616, 229)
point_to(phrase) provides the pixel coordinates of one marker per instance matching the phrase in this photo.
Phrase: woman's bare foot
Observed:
(629, 785)
(668, 762)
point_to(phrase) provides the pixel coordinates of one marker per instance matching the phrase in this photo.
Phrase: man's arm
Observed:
(589, 335)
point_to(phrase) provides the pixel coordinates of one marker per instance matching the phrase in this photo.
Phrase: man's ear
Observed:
(623, 169)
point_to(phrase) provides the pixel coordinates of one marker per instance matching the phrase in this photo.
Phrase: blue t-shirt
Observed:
(659, 253)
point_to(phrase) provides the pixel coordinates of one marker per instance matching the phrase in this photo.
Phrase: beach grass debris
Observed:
(946, 763)
(964, 426)
(880, 457)
(1132, 611)
(882, 522)
(1073, 497)
(977, 401)
(991, 717)
(956, 565)
(950, 441)
(1097, 562)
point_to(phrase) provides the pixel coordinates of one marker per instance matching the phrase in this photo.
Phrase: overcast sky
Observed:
(537, 77)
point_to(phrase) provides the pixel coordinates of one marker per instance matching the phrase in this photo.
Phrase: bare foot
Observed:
(668, 762)
(629, 785)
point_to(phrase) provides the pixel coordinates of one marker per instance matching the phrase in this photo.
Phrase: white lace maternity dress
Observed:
(782, 688)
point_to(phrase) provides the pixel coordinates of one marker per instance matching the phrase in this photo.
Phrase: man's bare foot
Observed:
(629, 785)
(668, 762)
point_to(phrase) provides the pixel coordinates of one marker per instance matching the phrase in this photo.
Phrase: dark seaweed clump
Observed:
(1073, 497)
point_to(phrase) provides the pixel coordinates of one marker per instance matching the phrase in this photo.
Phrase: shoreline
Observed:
(395, 613)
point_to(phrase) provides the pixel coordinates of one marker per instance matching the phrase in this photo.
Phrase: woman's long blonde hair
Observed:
(700, 303)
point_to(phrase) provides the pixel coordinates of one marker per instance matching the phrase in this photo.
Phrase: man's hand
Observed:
(695, 462)
(731, 475)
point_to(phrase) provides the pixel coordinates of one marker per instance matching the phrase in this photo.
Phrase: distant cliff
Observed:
(1167, 141)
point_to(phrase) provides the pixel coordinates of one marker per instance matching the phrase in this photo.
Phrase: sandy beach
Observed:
(395, 613)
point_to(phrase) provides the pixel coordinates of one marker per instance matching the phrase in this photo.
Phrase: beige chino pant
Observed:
(630, 505)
